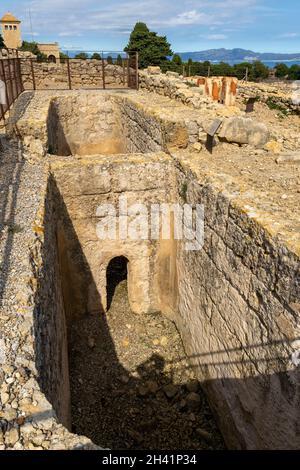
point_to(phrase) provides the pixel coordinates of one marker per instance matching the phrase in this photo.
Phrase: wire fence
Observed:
(203, 70)
(11, 84)
(21, 71)
(81, 72)
(242, 72)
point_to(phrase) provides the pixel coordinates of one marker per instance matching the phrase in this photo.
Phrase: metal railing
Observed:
(19, 73)
(11, 83)
(67, 73)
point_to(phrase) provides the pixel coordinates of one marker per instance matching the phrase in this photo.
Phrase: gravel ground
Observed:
(266, 189)
(131, 384)
(284, 128)
(26, 418)
(19, 202)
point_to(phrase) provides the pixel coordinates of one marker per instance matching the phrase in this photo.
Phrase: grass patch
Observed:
(191, 84)
(183, 191)
(272, 104)
(15, 228)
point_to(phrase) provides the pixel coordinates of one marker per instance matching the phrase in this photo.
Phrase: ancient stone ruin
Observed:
(120, 343)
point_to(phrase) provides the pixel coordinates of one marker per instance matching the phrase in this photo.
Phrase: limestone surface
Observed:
(235, 302)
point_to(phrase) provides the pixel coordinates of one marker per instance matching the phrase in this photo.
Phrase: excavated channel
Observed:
(131, 385)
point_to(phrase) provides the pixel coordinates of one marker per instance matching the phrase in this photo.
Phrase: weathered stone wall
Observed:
(238, 320)
(234, 126)
(32, 348)
(141, 132)
(220, 89)
(92, 122)
(192, 91)
(14, 53)
(84, 74)
(213, 92)
(51, 50)
(51, 346)
(84, 187)
(284, 97)
(230, 301)
(84, 124)
(150, 130)
(116, 122)
(173, 86)
(235, 302)
(89, 124)
(238, 314)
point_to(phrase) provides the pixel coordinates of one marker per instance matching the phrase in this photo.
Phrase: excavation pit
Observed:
(93, 124)
(234, 302)
(125, 381)
(131, 385)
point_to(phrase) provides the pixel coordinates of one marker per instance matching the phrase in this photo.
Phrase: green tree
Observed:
(200, 68)
(119, 60)
(152, 49)
(96, 56)
(33, 47)
(222, 70)
(260, 71)
(28, 46)
(190, 67)
(294, 72)
(82, 56)
(63, 57)
(240, 70)
(109, 59)
(2, 45)
(176, 59)
(282, 70)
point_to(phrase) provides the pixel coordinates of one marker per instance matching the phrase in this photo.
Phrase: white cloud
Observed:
(67, 18)
(215, 37)
(69, 34)
(189, 17)
(29, 33)
(290, 35)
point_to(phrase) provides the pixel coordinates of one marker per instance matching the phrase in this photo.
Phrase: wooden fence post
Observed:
(128, 71)
(69, 74)
(32, 73)
(137, 69)
(103, 71)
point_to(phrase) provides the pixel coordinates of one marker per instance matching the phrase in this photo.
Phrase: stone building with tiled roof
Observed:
(11, 31)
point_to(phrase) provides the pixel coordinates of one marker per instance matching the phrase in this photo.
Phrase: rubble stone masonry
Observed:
(235, 302)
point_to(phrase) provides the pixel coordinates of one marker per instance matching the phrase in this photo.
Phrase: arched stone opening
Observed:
(117, 271)
(52, 58)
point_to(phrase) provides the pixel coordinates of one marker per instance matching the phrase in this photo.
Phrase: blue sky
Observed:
(190, 25)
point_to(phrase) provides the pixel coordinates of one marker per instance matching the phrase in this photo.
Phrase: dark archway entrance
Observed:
(52, 58)
(117, 272)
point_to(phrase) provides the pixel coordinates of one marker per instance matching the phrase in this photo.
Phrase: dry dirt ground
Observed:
(131, 384)
(253, 177)
(283, 127)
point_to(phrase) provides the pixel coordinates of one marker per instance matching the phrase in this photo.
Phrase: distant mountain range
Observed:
(73, 53)
(237, 55)
(231, 56)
